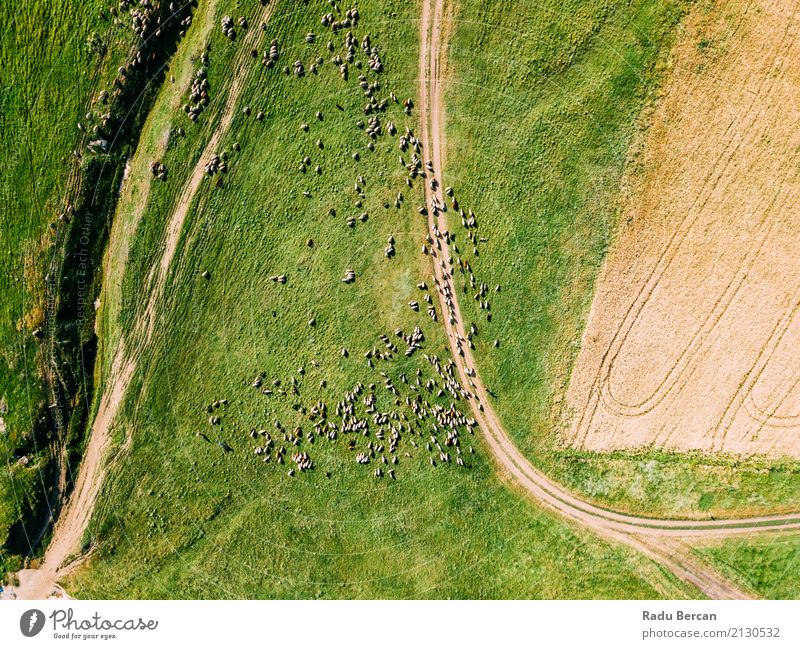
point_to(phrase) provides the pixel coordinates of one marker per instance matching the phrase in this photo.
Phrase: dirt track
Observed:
(693, 340)
(661, 540)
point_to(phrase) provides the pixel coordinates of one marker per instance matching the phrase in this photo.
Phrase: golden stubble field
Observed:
(693, 339)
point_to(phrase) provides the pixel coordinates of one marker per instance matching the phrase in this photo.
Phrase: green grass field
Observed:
(181, 517)
(543, 105)
(770, 566)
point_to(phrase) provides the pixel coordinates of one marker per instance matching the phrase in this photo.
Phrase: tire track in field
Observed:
(765, 416)
(699, 343)
(663, 541)
(694, 364)
(711, 182)
(76, 515)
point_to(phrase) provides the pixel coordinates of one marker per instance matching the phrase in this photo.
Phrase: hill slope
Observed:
(187, 515)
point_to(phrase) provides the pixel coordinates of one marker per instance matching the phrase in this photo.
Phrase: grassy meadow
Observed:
(543, 105)
(188, 509)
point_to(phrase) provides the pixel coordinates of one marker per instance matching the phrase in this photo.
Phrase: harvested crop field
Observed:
(692, 339)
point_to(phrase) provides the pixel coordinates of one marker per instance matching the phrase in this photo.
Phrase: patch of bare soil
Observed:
(693, 339)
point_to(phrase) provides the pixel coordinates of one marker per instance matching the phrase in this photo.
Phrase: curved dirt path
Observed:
(71, 525)
(661, 540)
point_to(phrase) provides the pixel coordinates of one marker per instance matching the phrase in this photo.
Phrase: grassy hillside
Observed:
(80, 80)
(767, 566)
(543, 106)
(188, 509)
(52, 57)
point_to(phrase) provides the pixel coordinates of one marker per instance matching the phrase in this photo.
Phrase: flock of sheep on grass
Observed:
(411, 409)
(374, 419)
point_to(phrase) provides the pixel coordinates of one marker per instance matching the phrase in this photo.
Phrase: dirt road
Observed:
(661, 540)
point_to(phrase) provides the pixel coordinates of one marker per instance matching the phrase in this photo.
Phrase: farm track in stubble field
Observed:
(712, 226)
